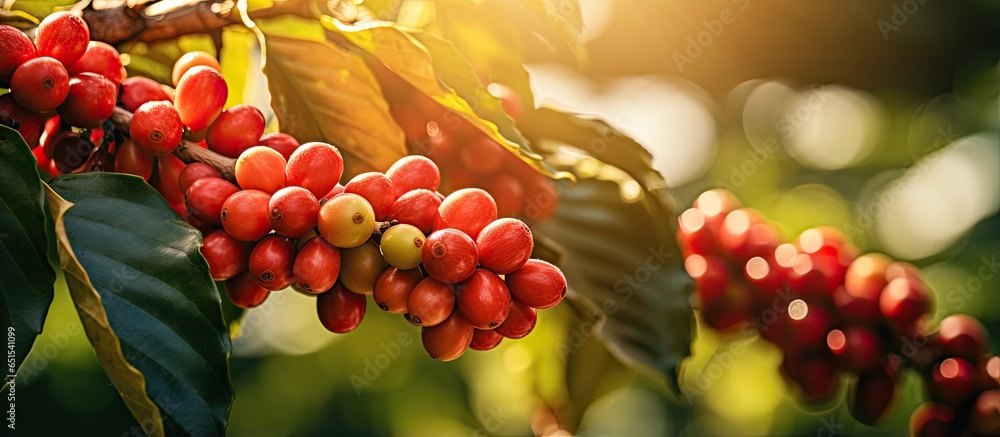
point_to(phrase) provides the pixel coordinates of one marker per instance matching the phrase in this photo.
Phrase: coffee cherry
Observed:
(766, 276)
(903, 301)
(40, 84)
(337, 189)
(129, 159)
(401, 246)
(716, 204)
(509, 99)
(190, 60)
(346, 221)
(236, 130)
(430, 302)
(156, 128)
(200, 96)
(899, 269)
(744, 235)
(870, 396)
(952, 381)
(102, 59)
(468, 210)
(815, 375)
(508, 192)
(863, 283)
(195, 171)
(71, 151)
(693, 232)
(166, 180)
(541, 198)
(376, 189)
(482, 155)
(317, 266)
(32, 125)
(537, 284)
(316, 167)
(206, 197)
(281, 142)
(393, 288)
(932, 420)
(449, 256)
(448, 340)
(485, 339)
(484, 300)
(271, 262)
(985, 418)
(244, 215)
(362, 266)
(226, 256)
(807, 324)
(504, 245)
(63, 36)
(136, 91)
(962, 336)
(413, 172)
(292, 211)
(857, 349)
(90, 101)
(339, 310)
(16, 50)
(418, 208)
(519, 323)
(260, 168)
(244, 292)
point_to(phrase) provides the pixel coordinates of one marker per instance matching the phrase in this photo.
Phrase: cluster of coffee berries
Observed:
(830, 311)
(60, 80)
(437, 260)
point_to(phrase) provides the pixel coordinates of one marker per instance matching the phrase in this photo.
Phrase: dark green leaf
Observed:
(160, 301)
(26, 288)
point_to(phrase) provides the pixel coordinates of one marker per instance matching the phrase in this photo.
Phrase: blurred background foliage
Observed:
(811, 112)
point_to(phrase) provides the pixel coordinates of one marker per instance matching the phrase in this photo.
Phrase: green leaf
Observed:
(147, 302)
(566, 18)
(26, 288)
(321, 92)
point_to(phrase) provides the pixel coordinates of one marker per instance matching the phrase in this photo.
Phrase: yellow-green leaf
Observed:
(565, 17)
(320, 92)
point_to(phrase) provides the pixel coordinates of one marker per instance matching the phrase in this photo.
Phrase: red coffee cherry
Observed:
(482, 155)
(807, 324)
(715, 204)
(430, 302)
(138, 90)
(816, 376)
(62, 36)
(271, 262)
(510, 100)
(346, 221)
(260, 168)
(767, 277)
(508, 192)
(16, 50)
(932, 420)
(541, 199)
(413, 172)
(402, 245)
(504, 245)
(903, 301)
(962, 336)
(166, 180)
(71, 151)
(863, 283)
(236, 130)
(195, 171)
(448, 340)
(90, 101)
(744, 234)
(226, 256)
(361, 267)
(484, 300)
(485, 339)
(468, 210)
(985, 418)
(449, 256)
(693, 233)
(316, 167)
(292, 211)
(281, 142)
(538, 284)
(206, 197)
(200, 96)
(418, 208)
(871, 395)
(857, 349)
(337, 189)
(340, 311)
(40, 84)
(129, 159)
(244, 215)
(317, 266)
(190, 60)
(520, 322)
(156, 128)
(102, 59)
(376, 189)
(244, 292)
(393, 288)
(32, 125)
(952, 381)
